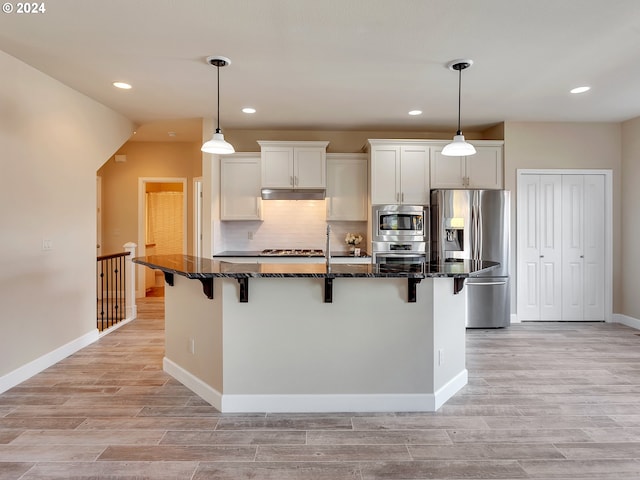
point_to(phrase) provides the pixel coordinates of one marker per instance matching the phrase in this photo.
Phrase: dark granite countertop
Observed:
(201, 268)
(257, 253)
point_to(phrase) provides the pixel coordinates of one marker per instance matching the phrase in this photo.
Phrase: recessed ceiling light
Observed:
(415, 112)
(249, 110)
(122, 85)
(580, 89)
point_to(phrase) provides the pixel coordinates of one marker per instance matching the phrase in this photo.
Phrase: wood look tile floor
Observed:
(544, 401)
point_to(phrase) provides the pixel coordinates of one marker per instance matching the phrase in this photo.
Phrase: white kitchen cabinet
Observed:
(347, 192)
(484, 170)
(561, 247)
(399, 172)
(240, 180)
(293, 164)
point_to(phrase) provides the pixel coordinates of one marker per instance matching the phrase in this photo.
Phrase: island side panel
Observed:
(191, 316)
(369, 340)
(449, 310)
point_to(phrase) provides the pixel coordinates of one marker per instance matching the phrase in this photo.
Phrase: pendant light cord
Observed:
(459, 98)
(218, 126)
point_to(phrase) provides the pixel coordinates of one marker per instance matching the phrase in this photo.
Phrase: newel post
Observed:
(130, 272)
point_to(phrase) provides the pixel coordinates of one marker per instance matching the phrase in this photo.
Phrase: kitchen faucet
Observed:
(327, 252)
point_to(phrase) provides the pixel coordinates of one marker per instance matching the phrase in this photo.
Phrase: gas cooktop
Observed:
(293, 252)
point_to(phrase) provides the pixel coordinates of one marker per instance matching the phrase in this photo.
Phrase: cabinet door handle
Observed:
(295, 180)
(402, 197)
(541, 256)
(291, 180)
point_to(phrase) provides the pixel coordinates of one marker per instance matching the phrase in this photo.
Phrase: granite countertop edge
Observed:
(203, 268)
(256, 253)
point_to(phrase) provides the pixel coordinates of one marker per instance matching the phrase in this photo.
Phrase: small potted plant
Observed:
(353, 240)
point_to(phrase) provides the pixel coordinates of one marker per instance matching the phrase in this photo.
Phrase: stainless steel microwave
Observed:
(393, 223)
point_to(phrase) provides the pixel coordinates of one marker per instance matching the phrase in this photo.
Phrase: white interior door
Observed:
(98, 216)
(550, 247)
(583, 249)
(197, 216)
(562, 246)
(573, 247)
(539, 247)
(594, 247)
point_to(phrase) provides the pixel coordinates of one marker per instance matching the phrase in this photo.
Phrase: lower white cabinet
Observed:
(347, 186)
(240, 184)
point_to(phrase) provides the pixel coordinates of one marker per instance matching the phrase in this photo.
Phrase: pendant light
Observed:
(217, 144)
(459, 147)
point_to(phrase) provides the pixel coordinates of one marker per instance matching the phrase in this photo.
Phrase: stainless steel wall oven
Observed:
(400, 234)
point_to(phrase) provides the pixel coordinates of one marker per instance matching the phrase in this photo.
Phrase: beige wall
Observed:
(52, 140)
(567, 145)
(120, 186)
(630, 223)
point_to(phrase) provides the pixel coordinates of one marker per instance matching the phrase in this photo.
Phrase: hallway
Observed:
(544, 401)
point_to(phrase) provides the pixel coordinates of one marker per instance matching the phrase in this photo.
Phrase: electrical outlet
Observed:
(47, 245)
(250, 235)
(192, 346)
(440, 356)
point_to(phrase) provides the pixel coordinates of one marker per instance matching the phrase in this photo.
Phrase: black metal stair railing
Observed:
(111, 289)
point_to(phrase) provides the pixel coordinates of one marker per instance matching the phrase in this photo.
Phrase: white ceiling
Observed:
(340, 64)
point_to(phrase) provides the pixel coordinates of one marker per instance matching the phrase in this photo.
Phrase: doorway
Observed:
(162, 226)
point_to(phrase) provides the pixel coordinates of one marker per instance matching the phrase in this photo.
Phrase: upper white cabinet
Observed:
(399, 172)
(484, 170)
(347, 186)
(293, 164)
(240, 178)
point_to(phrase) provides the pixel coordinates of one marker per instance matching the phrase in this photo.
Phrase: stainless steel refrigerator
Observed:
(474, 224)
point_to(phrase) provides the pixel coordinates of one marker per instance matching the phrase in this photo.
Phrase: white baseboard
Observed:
(293, 403)
(113, 328)
(328, 403)
(452, 387)
(30, 369)
(626, 320)
(193, 383)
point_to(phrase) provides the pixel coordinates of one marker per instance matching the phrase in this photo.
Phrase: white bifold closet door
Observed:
(561, 247)
(540, 245)
(583, 247)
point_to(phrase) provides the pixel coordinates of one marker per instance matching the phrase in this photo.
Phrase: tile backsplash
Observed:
(288, 224)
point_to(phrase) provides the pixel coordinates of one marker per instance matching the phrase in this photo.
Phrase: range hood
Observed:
(293, 194)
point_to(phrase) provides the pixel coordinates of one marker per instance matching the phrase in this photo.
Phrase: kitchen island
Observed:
(308, 338)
